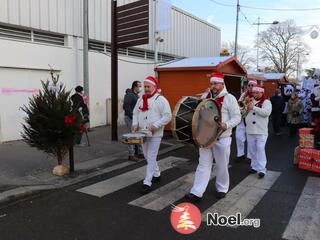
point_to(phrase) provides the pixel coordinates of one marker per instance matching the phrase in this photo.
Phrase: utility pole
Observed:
(155, 34)
(114, 72)
(258, 23)
(237, 24)
(258, 42)
(85, 48)
(298, 65)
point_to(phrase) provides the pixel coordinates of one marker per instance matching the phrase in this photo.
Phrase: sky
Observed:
(225, 18)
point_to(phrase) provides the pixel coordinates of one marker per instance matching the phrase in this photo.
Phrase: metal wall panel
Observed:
(189, 36)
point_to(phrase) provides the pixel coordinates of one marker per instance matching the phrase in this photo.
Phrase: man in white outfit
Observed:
(241, 128)
(230, 117)
(151, 114)
(257, 130)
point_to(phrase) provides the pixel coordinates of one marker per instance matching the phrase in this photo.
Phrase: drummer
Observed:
(151, 114)
(231, 117)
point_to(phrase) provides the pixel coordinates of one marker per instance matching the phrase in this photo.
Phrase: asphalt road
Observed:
(69, 214)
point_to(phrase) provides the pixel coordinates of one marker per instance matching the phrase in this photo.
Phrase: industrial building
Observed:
(36, 35)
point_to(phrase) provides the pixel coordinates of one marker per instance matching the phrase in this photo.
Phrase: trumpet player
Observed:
(244, 100)
(257, 130)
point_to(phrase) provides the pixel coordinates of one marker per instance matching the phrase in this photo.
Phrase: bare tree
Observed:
(244, 53)
(282, 47)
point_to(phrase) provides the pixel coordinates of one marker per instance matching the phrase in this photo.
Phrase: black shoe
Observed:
(261, 175)
(145, 189)
(240, 159)
(192, 198)
(252, 171)
(220, 195)
(156, 179)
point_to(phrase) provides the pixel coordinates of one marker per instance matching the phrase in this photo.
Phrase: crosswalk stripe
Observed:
(304, 223)
(162, 197)
(108, 186)
(244, 197)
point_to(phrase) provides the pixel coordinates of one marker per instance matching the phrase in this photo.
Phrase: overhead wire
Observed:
(265, 8)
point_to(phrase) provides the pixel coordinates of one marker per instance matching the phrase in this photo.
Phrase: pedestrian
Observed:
(278, 105)
(295, 109)
(315, 100)
(130, 99)
(81, 109)
(151, 113)
(220, 151)
(307, 106)
(257, 130)
(241, 138)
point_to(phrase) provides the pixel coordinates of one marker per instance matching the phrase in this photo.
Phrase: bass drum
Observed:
(196, 121)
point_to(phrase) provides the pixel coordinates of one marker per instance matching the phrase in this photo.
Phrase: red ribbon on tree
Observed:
(70, 119)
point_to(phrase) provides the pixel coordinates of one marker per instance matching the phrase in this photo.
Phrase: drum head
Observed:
(205, 123)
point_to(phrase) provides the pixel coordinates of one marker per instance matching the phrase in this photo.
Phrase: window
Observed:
(15, 33)
(96, 46)
(19, 33)
(48, 38)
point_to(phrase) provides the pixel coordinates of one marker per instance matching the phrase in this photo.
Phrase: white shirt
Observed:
(158, 115)
(257, 119)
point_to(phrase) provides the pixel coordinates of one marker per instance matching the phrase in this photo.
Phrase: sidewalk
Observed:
(24, 170)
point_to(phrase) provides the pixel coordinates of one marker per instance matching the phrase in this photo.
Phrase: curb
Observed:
(25, 191)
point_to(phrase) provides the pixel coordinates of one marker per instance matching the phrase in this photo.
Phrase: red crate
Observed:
(303, 131)
(309, 159)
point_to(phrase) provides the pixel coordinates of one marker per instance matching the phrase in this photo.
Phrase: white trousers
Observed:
(221, 153)
(256, 148)
(241, 138)
(150, 150)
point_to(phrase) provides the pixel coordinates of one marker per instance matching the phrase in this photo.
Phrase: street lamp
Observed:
(258, 36)
(298, 61)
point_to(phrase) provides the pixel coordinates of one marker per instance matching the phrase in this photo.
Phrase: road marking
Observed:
(304, 223)
(162, 197)
(244, 197)
(108, 186)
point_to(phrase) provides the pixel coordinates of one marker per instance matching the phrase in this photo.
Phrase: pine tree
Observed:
(50, 123)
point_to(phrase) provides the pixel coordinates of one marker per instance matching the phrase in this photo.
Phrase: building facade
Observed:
(37, 35)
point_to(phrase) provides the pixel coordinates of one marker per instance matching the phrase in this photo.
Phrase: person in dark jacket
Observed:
(278, 105)
(130, 99)
(80, 107)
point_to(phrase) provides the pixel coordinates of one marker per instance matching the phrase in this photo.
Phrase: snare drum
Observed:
(133, 138)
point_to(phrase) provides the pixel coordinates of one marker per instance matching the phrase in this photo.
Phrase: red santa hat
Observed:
(253, 82)
(258, 88)
(154, 82)
(151, 80)
(217, 77)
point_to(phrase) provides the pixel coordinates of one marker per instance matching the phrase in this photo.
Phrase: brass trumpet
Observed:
(243, 105)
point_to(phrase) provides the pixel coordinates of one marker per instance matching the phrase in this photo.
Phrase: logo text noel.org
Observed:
(214, 219)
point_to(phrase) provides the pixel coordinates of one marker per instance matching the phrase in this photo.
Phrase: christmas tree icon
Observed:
(185, 221)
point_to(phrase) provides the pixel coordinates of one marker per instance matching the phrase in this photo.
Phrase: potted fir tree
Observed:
(50, 123)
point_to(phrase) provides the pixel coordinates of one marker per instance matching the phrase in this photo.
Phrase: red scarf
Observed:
(220, 102)
(260, 103)
(248, 94)
(145, 98)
